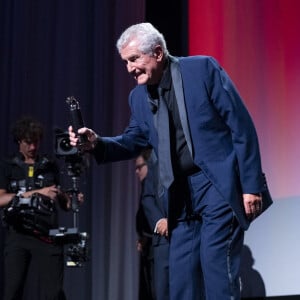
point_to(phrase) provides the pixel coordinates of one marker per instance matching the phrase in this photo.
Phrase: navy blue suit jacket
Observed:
(218, 128)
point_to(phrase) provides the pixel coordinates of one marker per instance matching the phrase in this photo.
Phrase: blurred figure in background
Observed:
(153, 211)
(144, 242)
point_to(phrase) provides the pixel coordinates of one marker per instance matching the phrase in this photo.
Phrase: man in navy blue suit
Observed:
(216, 186)
(152, 218)
(145, 233)
(154, 204)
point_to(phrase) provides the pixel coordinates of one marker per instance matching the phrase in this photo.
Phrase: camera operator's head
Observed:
(27, 133)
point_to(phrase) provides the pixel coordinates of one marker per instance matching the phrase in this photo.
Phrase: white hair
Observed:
(148, 38)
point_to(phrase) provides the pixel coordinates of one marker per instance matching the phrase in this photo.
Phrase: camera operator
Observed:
(29, 197)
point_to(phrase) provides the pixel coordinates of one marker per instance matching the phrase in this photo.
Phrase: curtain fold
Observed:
(53, 49)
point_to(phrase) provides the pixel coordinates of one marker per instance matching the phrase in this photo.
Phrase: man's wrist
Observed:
(95, 142)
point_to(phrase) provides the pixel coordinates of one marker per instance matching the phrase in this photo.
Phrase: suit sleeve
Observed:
(232, 110)
(125, 146)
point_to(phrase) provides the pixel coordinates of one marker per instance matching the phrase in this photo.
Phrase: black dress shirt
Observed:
(182, 161)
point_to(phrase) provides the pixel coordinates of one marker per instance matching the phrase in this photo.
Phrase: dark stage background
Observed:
(51, 49)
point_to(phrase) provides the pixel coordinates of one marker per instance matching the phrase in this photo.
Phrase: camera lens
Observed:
(65, 144)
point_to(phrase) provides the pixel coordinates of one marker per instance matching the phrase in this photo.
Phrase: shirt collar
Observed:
(164, 84)
(166, 80)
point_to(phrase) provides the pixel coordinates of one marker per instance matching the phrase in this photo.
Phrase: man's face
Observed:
(141, 168)
(29, 148)
(145, 68)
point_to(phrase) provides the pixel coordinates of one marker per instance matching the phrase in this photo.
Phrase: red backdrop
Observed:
(257, 42)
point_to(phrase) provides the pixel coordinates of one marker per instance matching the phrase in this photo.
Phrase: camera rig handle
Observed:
(76, 117)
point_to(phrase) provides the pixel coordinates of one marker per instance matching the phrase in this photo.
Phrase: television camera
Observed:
(76, 162)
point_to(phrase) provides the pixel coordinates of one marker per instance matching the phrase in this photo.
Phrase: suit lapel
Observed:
(177, 83)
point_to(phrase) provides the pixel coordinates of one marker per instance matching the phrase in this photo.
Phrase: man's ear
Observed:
(158, 53)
